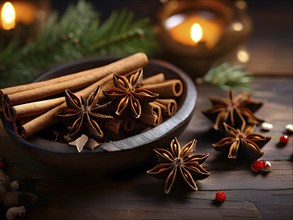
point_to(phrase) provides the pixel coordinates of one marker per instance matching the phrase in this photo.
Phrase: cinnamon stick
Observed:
(129, 124)
(157, 78)
(149, 119)
(168, 89)
(25, 87)
(168, 106)
(124, 65)
(12, 113)
(114, 126)
(33, 85)
(120, 126)
(152, 109)
(151, 115)
(15, 89)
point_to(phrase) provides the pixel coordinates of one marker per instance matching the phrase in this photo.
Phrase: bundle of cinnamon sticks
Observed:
(33, 107)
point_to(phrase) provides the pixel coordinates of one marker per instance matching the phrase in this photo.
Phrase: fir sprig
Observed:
(227, 76)
(79, 33)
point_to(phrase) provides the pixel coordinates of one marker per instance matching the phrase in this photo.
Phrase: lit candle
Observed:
(192, 29)
(23, 12)
(196, 34)
(22, 19)
(8, 16)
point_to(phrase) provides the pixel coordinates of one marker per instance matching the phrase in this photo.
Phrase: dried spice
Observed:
(15, 196)
(233, 111)
(85, 114)
(84, 141)
(182, 163)
(242, 141)
(289, 128)
(129, 96)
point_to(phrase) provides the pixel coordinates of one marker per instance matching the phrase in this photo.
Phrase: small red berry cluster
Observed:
(260, 166)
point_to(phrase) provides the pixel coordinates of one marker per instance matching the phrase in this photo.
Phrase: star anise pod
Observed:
(242, 141)
(128, 94)
(85, 114)
(182, 163)
(233, 111)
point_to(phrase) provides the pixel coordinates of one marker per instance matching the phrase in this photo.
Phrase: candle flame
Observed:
(8, 16)
(196, 32)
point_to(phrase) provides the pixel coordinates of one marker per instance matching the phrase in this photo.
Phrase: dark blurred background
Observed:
(270, 43)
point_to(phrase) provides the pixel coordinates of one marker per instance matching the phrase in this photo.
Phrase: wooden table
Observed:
(135, 195)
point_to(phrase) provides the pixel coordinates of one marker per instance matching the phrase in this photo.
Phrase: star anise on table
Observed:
(86, 115)
(233, 111)
(242, 141)
(128, 94)
(180, 163)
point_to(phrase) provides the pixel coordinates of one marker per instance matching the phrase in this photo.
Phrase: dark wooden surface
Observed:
(136, 195)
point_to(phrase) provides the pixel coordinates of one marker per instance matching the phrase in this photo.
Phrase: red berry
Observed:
(221, 196)
(284, 139)
(257, 166)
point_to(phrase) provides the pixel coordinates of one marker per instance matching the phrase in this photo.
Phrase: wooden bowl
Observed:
(113, 156)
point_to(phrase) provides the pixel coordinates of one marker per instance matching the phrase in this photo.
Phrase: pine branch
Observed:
(118, 38)
(227, 76)
(120, 35)
(79, 33)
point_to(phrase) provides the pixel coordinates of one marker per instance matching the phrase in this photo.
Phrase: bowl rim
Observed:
(128, 143)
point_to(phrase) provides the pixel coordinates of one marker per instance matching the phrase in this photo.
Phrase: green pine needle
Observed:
(79, 33)
(227, 76)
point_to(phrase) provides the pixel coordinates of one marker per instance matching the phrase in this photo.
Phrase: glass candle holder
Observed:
(196, 34)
